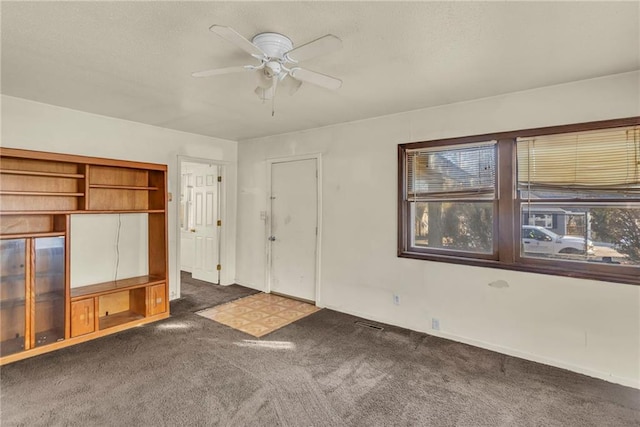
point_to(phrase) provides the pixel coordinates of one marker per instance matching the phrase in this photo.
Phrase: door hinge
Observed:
(218, 267)
(219, 223)
(219, 179)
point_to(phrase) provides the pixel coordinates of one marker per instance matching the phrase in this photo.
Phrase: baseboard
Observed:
(237, 282)
(628, 382)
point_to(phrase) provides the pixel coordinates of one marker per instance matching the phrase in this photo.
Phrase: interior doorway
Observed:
(293, 242)
(200, 218)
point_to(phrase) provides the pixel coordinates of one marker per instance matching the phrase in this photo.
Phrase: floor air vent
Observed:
(369, 325)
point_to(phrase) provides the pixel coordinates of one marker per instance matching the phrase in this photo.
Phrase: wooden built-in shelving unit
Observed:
(39, 192)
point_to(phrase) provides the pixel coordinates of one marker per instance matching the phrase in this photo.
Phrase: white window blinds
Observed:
(603, 161)
(463, 172)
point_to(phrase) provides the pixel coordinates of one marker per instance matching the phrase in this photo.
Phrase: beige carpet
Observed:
(259, 314)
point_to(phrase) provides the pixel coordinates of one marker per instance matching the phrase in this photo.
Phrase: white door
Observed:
(294, 221)
(205, 230)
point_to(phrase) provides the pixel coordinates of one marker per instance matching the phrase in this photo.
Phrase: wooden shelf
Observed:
(21, 276)
(27, 235)
(49, 296)
(38, 173)
(98, 211)
(39, 193)
(12, 302)
(124, 211)
(114, 286)
(46, 297)
(10, 346)
(119, 319)
(80, 212)
(49, 337)
(122, 187)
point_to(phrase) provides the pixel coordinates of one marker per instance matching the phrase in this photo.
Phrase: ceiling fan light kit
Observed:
(275, 51)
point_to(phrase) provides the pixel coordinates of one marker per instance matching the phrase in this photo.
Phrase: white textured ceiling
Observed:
(133, 60)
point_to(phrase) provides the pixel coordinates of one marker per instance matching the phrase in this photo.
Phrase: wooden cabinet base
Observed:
(77, 340)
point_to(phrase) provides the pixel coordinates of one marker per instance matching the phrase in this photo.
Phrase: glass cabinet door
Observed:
(49, 290)
(13, 283)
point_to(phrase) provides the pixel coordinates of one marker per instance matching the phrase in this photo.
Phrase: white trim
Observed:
(625, 381)
(250, 286)
(270, 162)
(222, 253)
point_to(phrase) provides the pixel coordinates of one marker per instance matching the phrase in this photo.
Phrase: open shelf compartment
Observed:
(117, 308)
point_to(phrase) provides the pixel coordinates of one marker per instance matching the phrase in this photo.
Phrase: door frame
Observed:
(270, 162)
(222, 207)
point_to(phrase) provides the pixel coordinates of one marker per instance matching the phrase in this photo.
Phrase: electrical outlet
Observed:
(396, 299)
(435, 324)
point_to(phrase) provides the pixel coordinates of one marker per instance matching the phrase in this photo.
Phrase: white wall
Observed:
(108, 247)
(583, 325)
(34, 126)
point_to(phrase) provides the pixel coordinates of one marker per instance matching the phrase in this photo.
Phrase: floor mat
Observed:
(259, 314)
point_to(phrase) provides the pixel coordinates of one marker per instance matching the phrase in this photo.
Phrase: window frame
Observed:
(493, 255)
(507, 219)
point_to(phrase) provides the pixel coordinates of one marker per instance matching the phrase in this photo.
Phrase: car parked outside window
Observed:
(536, 239)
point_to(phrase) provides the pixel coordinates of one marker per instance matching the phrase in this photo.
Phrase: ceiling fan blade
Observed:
(237, 39)
(317, 79)
(321, 46)
(218, 71)
(291, 85)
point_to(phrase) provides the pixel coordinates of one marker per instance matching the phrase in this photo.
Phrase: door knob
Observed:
(272, 238)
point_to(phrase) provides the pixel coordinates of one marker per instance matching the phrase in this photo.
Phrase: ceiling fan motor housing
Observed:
(274, 45)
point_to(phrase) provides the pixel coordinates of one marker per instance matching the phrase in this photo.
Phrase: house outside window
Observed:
(540, 219)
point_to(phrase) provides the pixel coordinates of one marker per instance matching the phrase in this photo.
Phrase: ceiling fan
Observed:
(278, 60)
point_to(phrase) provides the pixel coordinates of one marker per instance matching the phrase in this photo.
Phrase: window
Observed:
(452, 196)
(593, 179)
(563, 200)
